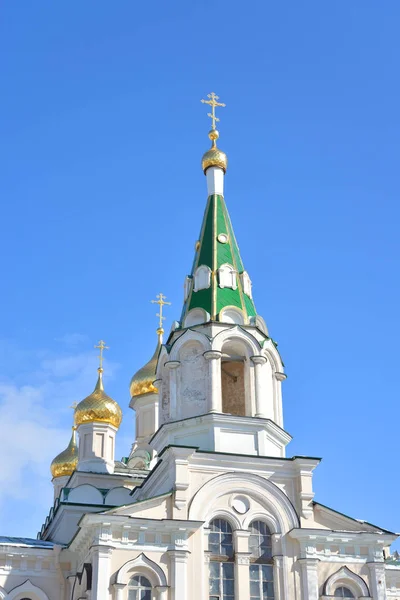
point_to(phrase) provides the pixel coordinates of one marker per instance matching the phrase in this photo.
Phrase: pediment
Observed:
(328, 518)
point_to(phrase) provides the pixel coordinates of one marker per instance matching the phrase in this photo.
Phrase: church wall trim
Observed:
(27, 588)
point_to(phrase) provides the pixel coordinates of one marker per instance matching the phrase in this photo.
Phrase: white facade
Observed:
(208, 506)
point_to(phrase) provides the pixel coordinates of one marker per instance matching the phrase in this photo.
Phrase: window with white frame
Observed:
(222, 574)
(139, 588)
(261, 567)
(227, 277)
(343, 592)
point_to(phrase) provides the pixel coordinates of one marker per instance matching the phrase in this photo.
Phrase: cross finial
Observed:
(73, 406)
(213, 103)
(101, 346)
(161, 302)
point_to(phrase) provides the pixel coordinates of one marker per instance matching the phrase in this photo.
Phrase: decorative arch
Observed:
(267, 517)
(189, 335)
(86, 494)
(272, 355)
(196, 316)
(229, 516)
(276, 503)
(232, 314)
(118, 496)
(345, 577)
(241, 335)
(162, 358)
(141, 564)
(27, 588)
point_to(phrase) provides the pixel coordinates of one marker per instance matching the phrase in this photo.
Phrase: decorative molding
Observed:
(142, 563)
(212, 354)
(29, 589)
(345, 577)
(258, 359)
(280, 376)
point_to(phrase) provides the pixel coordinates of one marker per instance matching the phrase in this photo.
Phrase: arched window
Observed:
(343, 592)
(220, 545)
(261, 567)
(139, 588)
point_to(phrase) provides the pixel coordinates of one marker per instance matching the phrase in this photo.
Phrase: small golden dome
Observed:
(214, 157)
(65, 463)
(98, 407)
(142, 381)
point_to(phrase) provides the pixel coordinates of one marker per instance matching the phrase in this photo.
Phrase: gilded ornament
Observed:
(143, 380)
(65, 463)
(98, 407)
(214, 157)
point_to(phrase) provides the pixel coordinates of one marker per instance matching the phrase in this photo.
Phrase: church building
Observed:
(208, 505)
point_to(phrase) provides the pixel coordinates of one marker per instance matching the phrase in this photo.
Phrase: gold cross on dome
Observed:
(161, 302)
(213, 103)
(101, 346)
(73, 406)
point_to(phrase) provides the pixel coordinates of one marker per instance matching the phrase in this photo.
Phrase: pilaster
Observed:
(179, 566)
(377, 580)
(214, 380)
(242, 562)
(101, 565)
(309, 578)
(173, 365)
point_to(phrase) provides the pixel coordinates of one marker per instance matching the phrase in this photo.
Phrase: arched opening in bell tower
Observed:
(234, 373)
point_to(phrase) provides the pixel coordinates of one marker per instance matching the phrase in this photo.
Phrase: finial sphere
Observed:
(213, 134)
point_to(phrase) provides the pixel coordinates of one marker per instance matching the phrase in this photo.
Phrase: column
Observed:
(179, 560)
(242, 563)
(173, 387)
(101, 565)
(377, 580)
(309, 578)
(261, 411)
(214, 380)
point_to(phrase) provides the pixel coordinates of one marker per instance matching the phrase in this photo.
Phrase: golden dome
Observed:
(65, 463)
(98, 407)
(214, 157)
(142, 381)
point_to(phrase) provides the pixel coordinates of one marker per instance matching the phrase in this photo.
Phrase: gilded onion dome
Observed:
(98, 407)
(214, 157)
(65, 463)
(143, 380)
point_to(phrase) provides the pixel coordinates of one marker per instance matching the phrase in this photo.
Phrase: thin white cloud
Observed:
(73, 339)
(35, 421)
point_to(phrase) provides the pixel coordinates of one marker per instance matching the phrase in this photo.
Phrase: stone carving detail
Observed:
(193, 377)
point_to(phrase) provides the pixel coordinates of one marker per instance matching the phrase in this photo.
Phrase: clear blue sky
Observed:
(102, 196)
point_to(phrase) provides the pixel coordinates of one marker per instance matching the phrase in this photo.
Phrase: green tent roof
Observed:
(217, 246)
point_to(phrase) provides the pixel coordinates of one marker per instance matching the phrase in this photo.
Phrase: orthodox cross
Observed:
(213, 103)
(101, 346)
(161, 302)
(73, 406)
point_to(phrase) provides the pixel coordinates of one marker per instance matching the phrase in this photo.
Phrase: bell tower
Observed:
(219, 374)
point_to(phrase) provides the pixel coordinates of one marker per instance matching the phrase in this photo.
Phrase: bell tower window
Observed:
(235, 388)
